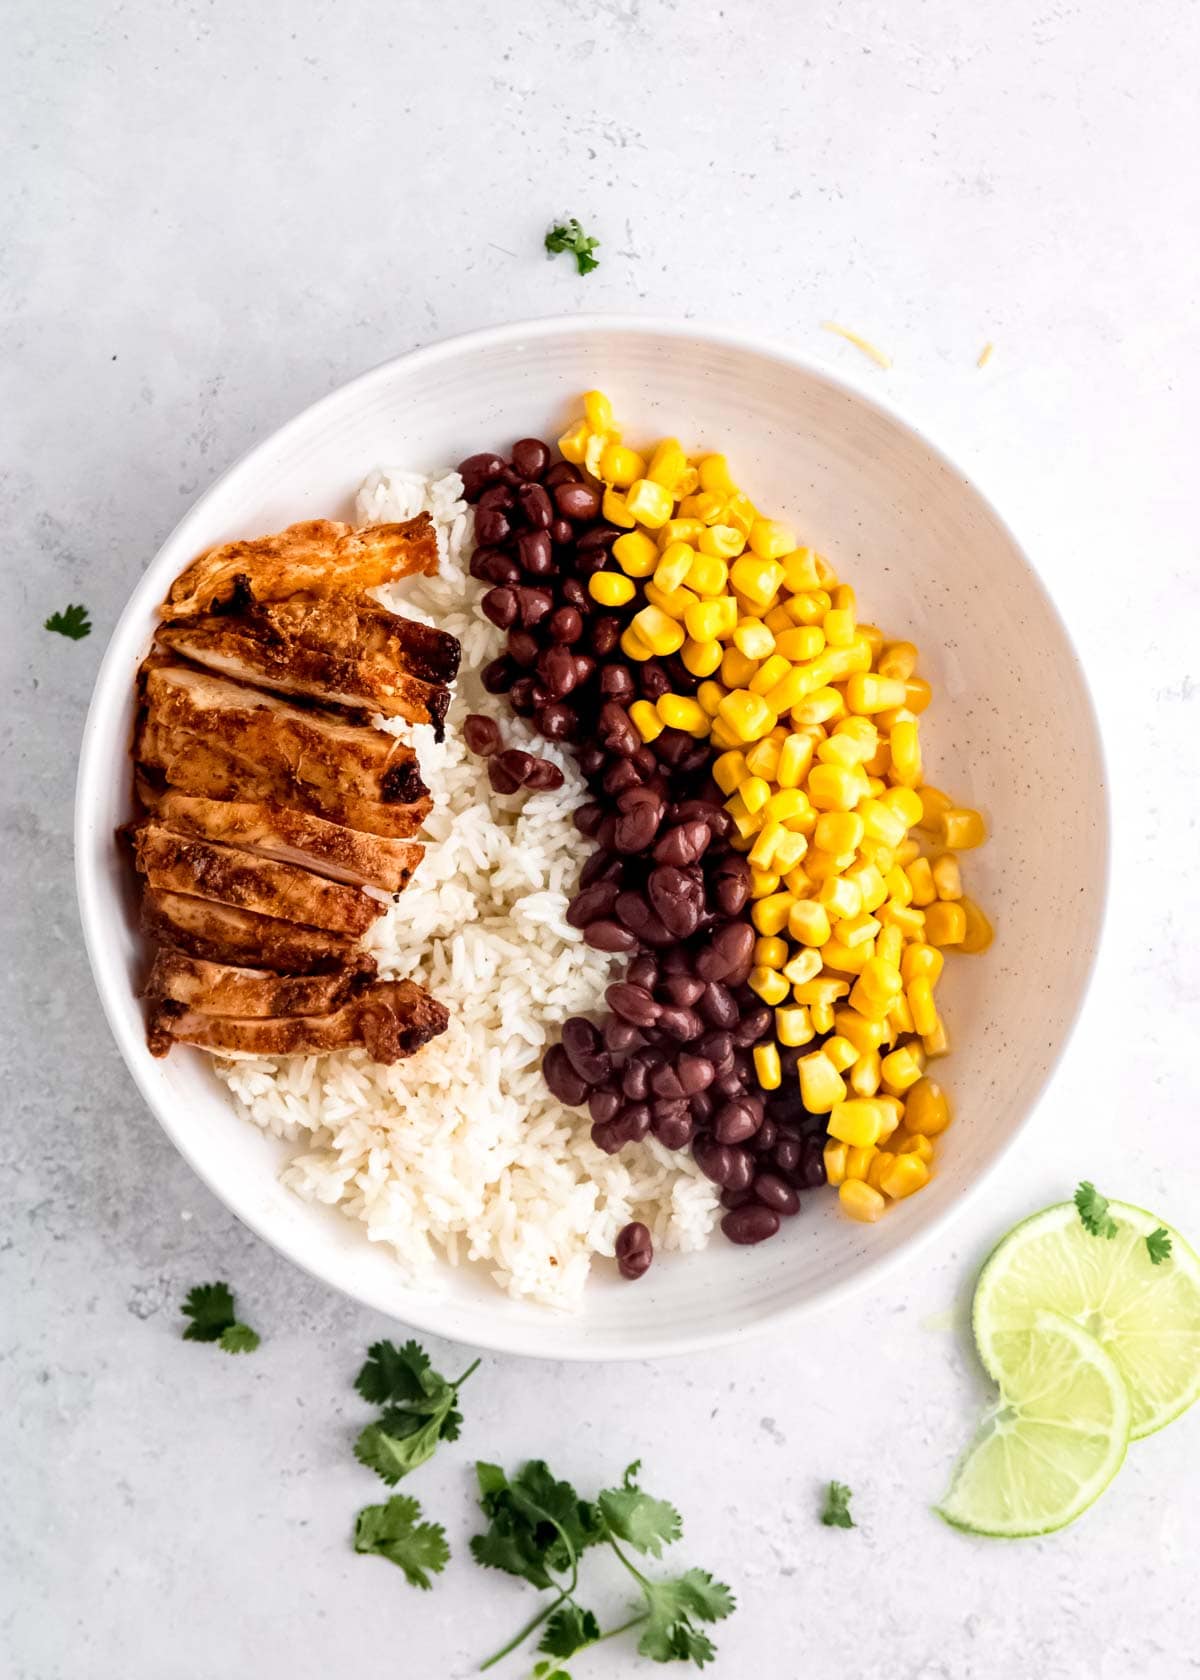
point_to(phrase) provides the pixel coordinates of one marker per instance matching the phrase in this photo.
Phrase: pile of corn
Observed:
(855, 877)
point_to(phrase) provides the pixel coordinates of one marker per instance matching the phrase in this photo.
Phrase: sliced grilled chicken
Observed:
(318, 557)
(391, 1019)
(290, 836)
(211, 988)
(181, 863)
(248, 650)
(220, 933)
(365, 630)
(317, 754)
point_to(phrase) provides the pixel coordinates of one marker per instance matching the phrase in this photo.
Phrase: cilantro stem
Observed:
(530, 1627)
(473, 1367)
(612, 1633)
(635, 1572)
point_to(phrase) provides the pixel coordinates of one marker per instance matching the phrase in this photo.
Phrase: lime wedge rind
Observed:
(1029, 1471)
(1146, 1316)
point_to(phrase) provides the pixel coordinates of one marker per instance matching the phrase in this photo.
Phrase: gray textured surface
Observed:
(210, 219)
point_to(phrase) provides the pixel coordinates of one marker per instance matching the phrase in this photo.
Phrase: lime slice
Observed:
(1052, 1444)
(1147, 1317)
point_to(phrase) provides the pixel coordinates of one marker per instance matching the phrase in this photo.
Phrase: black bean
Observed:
(643, 971)
(752, 1223)
(684, 844)
(616, 733)
(731, 893)
(620, 1037)
(740, 1174)
(515, 763)
(616, 683)
(566, 624)
(609, 1135)
(755, 1024)
(653, 682)
(764, 1138)
(576, 501)
(591, 759)
(717, 1046)
(635, 829)
(585, 668)
(478, 471)
(702, 1106)
(678, 899)
(533, 551)
(557, 669)
(604, 635)
(622, 776)
(562, 472)
(492, 526)
(523, 648)
(717, 1006)
(535, 504)
(636, 1119)
(634, 1251)
(530, 457)
(606, 935)
(632, 1003)
(534, 604)
(683, 1025)
(588, 817)
(666, 1083)
(683, 989)
(714, 1159)
(584, 1046)
(594, 901)
(811, 1170)
(501, 779)
(635, 1079)
(736, 1198)
(730, 1082)
(598, 536)
(544, 776)
(564, 1080)
(674, 1127)
(500, 605)
(498, 675)
(671, 745)
(497, 496)
(482, 734)
(729, 952)
(734, 1122)
(772, 1192)
(604, 1103)
(695, 1074)
(786, 1153)
(556, 722)
(561, 532)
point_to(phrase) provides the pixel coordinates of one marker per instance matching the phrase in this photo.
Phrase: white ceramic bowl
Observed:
(1011, 730)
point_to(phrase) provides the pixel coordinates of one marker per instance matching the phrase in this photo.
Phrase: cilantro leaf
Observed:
(569, 1629)
(1158, 1245)
(394, 1531)
(538, 1527)
(569, 236)
(837, 1507)
(669, 1635)
(1093, 1211)
(394, 1375)
(399, 1443)
(647, 1524)
(73, 623)
(239, 1338)
(419, 1409)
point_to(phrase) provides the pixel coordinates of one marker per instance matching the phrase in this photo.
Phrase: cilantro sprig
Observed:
(73, 623)
(418, 1409)
(1093, 1211)
(836, 1513)
(394, 1531)
(569, 236)
(539, 1528)
(1158, 1245)
(214, 1319)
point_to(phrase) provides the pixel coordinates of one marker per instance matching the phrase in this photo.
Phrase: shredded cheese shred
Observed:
(985, 355)
(864, 344)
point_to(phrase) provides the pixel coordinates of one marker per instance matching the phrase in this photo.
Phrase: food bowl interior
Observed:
(1011, 730)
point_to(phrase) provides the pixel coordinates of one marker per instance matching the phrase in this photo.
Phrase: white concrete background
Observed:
(213, 214)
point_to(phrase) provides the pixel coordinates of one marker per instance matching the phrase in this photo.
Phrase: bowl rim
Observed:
(518, 1339)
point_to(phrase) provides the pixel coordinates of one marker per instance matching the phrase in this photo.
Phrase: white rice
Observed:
(461, 1154)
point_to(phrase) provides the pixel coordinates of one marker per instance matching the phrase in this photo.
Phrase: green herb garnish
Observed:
(1158, 1246)
(539, 1528)
(211, 1310)
(73, 623)
(837, 1507)
(418, 1409)
(1093, 1211)
(569, 236)
(394, 1531)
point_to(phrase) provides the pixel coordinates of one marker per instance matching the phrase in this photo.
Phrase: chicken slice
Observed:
(391, 1019)
(317, 557)
(310, 751)
(211, 988)
(277, 831)
(365, 630)
(250, 651)
(220, 933)
(203, 869)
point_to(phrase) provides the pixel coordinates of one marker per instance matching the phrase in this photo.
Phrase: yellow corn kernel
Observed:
(661, 634)
(763, 882)
(869, 881)
(788, 804)
(860, 1202)
(767, 1068)
(789, 849)
(757, 579)
(834, 1156)
(650, 503)
(729, 771)
(899, 1018)
(706, 575)
(611, 589)
(915, 1143)
(709, 694)
(762, 853)
(853, 931)
(616, 510)
(646, 720)
(770, 953)
(833, 787)
(840, 628)
(858, 1160)
(793, 1026)
(755, 792)
(752, 638)
(736, 669)
(838, 832)
(770, 985)
(867, 693)
(921, 962)
(597, 443)
(687, 483)
(979, 931)
(722, 736)
(800, 644)
(901, 1069)
(863, 1034)
(636, 554)
(926, 1107)
(748, 715)
(945, 924)
(674, 564)
(822, 1087)
(880, 821)
(703, 620)
(795, 758)
(790, 685)
(721, 542)
(715, 476)
(920, 881)
(620, 466)
(674, 602)
(921, 1005)
(679, 530)
(898, 659)
(808, 923)
(770, 915)
(634, 644)
(762, 759)
(820, 705)
(905, 745)
(809, 608)
(934, 805)
(770, 539)
(679, 711)
(898, 885)
(962, 828)
(865, 1075)
(777, 621)
(841, 1052)
(701, 659)
(889, 949)
(823, 988)
(909, 922)
(947, 877)
(822, 1017)
(906, 1174)
(803, 967)
(847, 959)
(880, 1163)
(840, 898)
(598, 411)
(908, 851)
(802, 568)
(854, 1121)
(769, 678)
(917, 694)
(667, 463)
(573, 443)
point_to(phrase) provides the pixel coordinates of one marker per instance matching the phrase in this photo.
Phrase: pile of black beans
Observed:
(663, 885)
